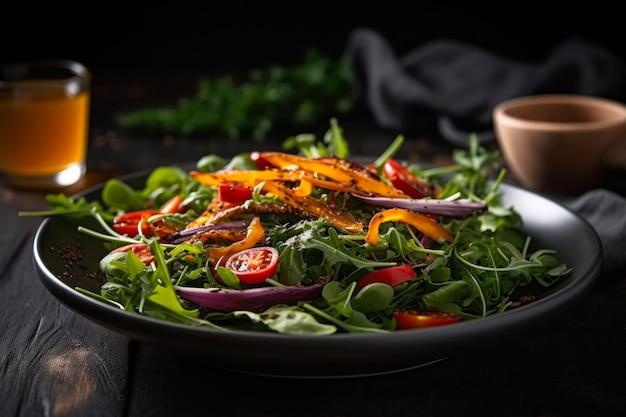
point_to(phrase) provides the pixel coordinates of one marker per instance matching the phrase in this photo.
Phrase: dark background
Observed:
(236, 35)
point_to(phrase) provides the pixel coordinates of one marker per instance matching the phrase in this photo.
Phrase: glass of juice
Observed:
(44, 123)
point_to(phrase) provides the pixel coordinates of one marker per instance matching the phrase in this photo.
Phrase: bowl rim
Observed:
(502, 112)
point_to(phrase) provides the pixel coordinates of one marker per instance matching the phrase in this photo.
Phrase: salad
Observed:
(308, 241)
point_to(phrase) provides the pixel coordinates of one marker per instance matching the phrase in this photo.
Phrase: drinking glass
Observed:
(44, 123)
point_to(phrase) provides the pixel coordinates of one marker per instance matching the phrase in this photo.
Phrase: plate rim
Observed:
(472, 333)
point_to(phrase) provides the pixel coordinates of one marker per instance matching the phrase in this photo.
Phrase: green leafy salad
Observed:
(308, 241)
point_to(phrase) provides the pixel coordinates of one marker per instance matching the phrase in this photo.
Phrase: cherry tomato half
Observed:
(234, 193)
(416, 319)
(405, 181)
(142, 250)
(391, 276)
(254, 265)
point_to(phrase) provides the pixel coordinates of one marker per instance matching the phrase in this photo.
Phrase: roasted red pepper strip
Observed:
(129, 223)
(334, 170)
(404, 180)
(421, 222)
(260, 161)
(234, 193)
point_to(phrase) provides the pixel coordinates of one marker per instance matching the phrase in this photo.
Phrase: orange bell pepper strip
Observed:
(315, 207)
(253, 177)
(244, 177)
(421, 222)
(303, 189)
(333, 185)
(254, 234)
(357, 182)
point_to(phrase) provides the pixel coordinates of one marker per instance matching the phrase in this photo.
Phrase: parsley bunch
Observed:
(264, 101)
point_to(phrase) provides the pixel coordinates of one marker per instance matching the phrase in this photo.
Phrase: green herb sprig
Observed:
(265, 100)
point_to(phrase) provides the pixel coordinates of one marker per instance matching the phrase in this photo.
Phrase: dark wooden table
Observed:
(53, 362)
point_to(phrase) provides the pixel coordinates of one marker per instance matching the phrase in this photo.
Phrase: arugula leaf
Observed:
(334, 253)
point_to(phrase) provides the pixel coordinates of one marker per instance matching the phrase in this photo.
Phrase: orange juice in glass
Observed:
(44, 123)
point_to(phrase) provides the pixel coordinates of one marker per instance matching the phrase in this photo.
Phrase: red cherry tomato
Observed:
(416, 319)
(392, 276)
(405, 181)
(142, 250)
(234, 193)
(254, 265)
(261, 162)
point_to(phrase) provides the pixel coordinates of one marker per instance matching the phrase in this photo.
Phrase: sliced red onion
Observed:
(254, 299)
(187, 233)
(457, 209)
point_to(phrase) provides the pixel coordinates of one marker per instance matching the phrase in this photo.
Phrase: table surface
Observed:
(54, 362)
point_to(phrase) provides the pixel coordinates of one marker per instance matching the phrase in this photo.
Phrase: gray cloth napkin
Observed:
(605, 211)
(453, 87)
